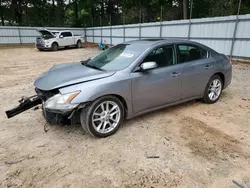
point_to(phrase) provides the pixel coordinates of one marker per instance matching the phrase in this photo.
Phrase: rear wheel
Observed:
(213, 90)
(78, 44)
(54, 47)
(103, 117)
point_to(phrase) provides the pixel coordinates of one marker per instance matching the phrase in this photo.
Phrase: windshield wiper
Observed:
(93, 66)
(83, 62)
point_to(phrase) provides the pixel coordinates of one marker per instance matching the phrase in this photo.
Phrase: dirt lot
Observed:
(199, 145)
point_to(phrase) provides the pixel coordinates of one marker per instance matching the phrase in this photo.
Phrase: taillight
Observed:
(229, 60)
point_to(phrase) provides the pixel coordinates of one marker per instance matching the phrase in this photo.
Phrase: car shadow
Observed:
(163, 111)
(76, 129)
(60, 49)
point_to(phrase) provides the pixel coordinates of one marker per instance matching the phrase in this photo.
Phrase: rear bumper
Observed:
(228, 77)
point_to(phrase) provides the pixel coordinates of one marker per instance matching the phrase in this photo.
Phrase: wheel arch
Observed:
(222, 76)
(123, 101)
(55, 42)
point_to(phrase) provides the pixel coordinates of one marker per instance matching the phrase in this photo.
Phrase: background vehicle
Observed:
(131, 79)
(54, 40)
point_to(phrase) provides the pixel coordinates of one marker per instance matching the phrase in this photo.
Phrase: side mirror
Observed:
(61, 36)
(148, 65)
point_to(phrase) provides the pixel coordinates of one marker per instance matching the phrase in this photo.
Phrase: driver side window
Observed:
(63, 34)
(163, 56)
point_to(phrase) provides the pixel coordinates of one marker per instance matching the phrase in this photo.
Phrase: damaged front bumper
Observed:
(52, 116)
(25, 104)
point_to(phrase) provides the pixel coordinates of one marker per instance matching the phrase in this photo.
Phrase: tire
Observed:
(87, 116)
(78, 44)
(213, 91)
(54, 47)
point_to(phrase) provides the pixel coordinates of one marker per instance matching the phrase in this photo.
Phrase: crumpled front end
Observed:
(56, 110)
(42, 44)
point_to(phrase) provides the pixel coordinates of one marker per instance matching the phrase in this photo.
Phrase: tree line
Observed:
(85, 13)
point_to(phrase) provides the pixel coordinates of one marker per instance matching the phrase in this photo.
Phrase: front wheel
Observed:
(103, 117)
(78, 44)
(54, 47)
(213, 90)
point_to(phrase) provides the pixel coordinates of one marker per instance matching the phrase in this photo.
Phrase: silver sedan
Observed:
(131, 79)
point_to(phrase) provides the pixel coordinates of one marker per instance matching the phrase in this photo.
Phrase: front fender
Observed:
(49, 42)
(95, 89)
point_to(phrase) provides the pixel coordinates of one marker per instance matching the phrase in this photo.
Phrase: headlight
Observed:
(61, 102)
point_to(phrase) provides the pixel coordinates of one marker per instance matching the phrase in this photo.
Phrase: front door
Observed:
(62, 41)
(158, 86)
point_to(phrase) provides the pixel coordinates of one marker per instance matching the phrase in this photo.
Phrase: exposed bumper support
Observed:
(25, 104)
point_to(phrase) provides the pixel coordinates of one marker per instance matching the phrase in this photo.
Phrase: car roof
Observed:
(151, 42)
(59, 31)
(146, 43)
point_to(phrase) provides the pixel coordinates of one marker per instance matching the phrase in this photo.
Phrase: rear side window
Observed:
(68, 34)
(191, 53)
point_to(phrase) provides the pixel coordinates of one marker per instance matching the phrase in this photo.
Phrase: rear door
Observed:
(197, 68)
(158, 86)
(70, 38)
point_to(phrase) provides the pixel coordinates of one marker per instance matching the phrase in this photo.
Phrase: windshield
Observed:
(55, 33)
(115, 58)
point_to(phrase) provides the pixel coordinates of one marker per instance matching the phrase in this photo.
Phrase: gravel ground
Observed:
(199, 145)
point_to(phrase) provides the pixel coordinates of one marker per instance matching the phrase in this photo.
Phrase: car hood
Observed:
(46, 34)
(68, 74)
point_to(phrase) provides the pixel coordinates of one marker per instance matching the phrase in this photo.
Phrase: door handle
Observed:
(174, 74)
(208, 66)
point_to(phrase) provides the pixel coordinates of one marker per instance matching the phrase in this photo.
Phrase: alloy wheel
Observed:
(214, 89)
(106, 117)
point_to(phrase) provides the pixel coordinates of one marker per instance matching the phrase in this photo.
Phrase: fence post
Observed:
(93, 29)
(101, 26)
(139, 31)
(161, 24)
(190, 17)
(189, 29)
(110, 31)
(19, 35)
(124, 28)
(140, 26)
(160, 30)
(85, 36)
(235, 30)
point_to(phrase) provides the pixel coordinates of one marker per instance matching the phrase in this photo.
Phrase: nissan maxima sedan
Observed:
(128, 80)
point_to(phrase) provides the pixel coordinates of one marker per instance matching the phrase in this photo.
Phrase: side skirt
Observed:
(163, 106)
